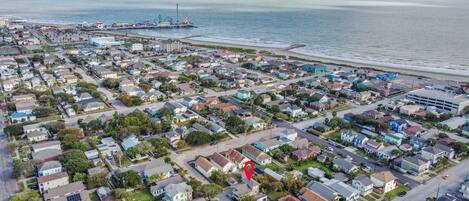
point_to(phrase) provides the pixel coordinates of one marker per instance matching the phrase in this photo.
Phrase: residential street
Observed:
(184, 157)
(456, 175)
(7, 183)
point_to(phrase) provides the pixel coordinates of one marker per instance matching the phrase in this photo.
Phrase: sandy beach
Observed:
(435, 73)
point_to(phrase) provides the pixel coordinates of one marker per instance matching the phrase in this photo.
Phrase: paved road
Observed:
(357, 159)
(456, 174)
(354, 109)
(184, 157)
(7, 183)
(72, 121)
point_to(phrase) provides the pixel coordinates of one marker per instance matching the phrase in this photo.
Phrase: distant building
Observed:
(170, 46)
(103, 42)
(443, 101)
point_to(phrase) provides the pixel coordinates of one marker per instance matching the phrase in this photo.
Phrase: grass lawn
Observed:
(375, 195)
(275, 195)
(394, 193)
(94, 197)
(369, 198)
(303, 166)
(141, 196)
(271, 166)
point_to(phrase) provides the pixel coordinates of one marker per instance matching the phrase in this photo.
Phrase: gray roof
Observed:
(340, 187)
(45, 154)
(163, 183)
(173, 189)
(436, 94)
(364, 180)
(45, 144)
(150, 168)
(344, 164)
(50, 165)
(322, 190)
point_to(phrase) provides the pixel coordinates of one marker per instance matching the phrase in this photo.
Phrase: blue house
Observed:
(398, 125)
(392, 139)
(418, 143)
(243, 95)
(21, 116)
(360, 140)
(314, 68)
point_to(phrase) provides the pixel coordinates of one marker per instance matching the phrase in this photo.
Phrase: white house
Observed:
(205, 167)
(363, 184)
(222, 163)
(385, 181)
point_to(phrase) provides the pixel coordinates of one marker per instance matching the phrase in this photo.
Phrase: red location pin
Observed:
(248, 169)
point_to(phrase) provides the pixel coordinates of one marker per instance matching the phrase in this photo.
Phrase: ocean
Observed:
(432, 34)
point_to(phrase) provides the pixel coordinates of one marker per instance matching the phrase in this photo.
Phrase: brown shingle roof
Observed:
(235, 156)
(385, 176)
(204, 164)
(219, 159)
(255, 152)
(51, 177)
(309, 195)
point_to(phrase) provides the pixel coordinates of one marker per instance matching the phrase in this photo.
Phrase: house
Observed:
(323, 191)
(55, 144)
(448, 151)
(247, 188)
(306, 194)
(409, 109)
(37, 136)
(243, 95)
(386, 153)
(222, 163)
(204, 166)
(130, 142)
(48, 168)
(90, 105)
(391, 138)
(256, 122)
(178, 192)
(306, 154)
(348, 136)
(371, 146)
(384, 181)
(316, 173)
(33, 127)
(360, 141)
(287, 136)
(288, 198)
(256, 155)
(189, 102)
(105, 194)
(178, 108)
(52, 181)
(92, 154)
(346, 191)
(108, 146)
(417, 143)
(295, 111)
(398, 125)
(158, 188)
(344, 165)
(21, 117)
(267, 145)
(72, 191)
(432, 154)
(150, 168)
(272, 174)
(237, 158)
(314, 68)
(363, 184)
(415, 165)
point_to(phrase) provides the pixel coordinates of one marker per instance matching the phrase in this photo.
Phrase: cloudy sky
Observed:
(32, 6)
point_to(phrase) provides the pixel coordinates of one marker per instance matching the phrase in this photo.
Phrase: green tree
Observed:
(248, 198)
(14, 130)
(79, 177)
(443, 135)
(75, 161)
(111, 83)
(198, 138)
(27, 195)
(209, 191)
(122, 194)
(130, 179)
(145, 87)
(218, 177)
(460, 148)
(235, 125)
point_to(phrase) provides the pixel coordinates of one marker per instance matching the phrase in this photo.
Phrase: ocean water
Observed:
(420, 33)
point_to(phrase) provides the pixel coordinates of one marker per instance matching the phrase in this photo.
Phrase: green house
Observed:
(314, 68)
(243, 95)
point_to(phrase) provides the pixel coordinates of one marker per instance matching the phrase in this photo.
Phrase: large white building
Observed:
(443, 101)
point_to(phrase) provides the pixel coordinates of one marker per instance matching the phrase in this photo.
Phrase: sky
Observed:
(35, 6)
